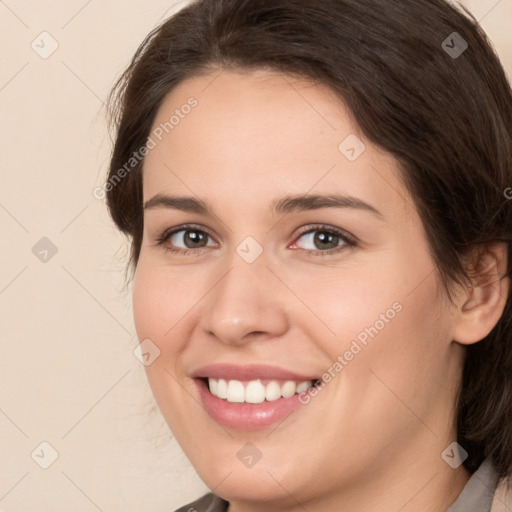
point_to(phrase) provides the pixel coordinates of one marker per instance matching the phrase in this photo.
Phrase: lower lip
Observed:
(245, 416)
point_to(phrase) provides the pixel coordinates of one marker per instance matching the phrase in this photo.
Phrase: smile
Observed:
(255, 391)
(250, 397)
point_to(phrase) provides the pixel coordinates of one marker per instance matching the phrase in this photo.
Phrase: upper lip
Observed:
(248, 372)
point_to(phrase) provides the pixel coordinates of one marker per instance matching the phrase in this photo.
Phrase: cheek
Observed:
(354, 302)
(158, 305)
(402, 357)
(383, 317)
(148, 304)
(163, 303)
(156, 311)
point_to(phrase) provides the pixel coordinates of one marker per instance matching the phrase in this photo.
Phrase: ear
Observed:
(480, 308)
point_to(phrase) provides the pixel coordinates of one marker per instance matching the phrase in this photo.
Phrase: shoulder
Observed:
(207, 503)
(502, 501)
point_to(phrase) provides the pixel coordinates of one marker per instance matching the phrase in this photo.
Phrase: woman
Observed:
(316, 195)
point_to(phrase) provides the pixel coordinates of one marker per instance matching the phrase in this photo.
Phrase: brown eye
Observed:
(183, 239)
(325, 240)
(321, 239)
(190, 238)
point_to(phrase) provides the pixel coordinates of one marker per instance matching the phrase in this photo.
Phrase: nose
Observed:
(245, 304)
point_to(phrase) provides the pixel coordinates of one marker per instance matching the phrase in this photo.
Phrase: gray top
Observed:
(478, 493)
(476, 496)
(208, 503)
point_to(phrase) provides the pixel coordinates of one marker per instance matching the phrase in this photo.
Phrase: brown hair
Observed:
(422, 82)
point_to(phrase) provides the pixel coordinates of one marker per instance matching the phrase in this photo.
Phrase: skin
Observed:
(372, 438)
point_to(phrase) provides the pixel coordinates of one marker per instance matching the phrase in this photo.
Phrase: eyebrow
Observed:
(283, 205)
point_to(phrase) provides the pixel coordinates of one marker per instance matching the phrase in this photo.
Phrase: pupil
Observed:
(194, 237)
(324, 239)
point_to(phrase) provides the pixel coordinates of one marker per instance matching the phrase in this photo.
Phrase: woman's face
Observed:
(296, 255)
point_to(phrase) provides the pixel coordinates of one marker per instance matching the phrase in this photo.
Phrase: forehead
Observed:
(259, 133)
(243, 106)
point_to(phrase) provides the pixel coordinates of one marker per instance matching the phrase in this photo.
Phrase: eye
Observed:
(323, 240)
(184, 238)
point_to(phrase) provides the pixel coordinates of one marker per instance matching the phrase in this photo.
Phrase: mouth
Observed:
(252, 397)
(255, 391)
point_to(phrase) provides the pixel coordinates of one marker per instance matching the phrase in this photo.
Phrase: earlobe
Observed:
(482, 305)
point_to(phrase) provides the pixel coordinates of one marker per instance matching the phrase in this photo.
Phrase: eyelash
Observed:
(348, 240)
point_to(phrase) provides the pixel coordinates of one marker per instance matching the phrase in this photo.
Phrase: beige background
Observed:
(68, 373)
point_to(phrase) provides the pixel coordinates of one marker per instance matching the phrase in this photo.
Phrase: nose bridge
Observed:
(242, 300)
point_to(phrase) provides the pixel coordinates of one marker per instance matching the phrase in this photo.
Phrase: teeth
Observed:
(222, 389)
(272, 391)
(303, 386)
(236, 391)
(288, 389)
(254, 392)
(214, 386)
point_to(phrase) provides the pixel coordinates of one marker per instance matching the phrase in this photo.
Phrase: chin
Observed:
(234, 483)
